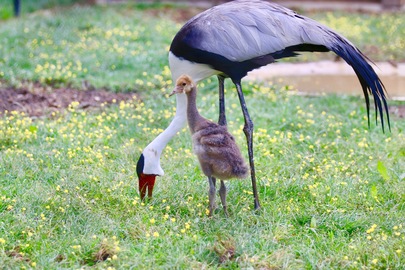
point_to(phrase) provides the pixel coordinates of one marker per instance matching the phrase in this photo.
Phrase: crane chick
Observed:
(215, 147)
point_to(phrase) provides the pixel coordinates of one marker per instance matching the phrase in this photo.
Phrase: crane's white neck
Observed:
(153, 151)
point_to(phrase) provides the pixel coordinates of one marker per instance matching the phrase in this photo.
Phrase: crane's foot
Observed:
(257, 205)
(226, 212)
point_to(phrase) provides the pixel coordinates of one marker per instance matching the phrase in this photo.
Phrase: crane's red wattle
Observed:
(146, 182)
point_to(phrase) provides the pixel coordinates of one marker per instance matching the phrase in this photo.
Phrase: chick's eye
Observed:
(184, 84)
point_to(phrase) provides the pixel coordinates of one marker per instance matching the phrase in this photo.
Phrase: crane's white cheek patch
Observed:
(198, 72)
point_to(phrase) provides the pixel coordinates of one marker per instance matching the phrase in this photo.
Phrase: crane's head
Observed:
(146, 181)
(184, 84)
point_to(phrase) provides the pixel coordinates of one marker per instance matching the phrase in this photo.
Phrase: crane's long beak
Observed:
(146, 182)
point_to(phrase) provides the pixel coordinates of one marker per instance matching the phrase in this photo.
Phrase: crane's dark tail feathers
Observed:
(369, 80)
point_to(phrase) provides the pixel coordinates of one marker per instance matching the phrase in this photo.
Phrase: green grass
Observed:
(113, 48)
(26, 7)
(332, 190)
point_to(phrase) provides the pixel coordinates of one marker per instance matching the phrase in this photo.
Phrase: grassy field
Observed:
(332, 190)
(26, 7)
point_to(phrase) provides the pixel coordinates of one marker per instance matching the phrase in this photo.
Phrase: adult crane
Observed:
(231, 39)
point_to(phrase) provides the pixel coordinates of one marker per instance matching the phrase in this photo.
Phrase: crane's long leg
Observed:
(222, 194)
(248, 130)
(211, 194)
(222, 116)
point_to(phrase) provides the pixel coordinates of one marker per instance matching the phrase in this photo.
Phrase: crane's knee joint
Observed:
(248, 128)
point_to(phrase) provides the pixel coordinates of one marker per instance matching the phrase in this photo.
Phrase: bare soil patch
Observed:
(41, 101)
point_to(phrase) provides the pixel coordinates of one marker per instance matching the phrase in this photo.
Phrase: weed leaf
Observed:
(382, 170)
(373, 191)
(313, 223)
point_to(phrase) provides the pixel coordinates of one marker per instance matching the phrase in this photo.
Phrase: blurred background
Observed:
(110, 44)
(15, 7)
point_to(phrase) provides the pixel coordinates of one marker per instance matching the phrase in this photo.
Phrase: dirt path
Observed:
(39, 101)
(309, 78)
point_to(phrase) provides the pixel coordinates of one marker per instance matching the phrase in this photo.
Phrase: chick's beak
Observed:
(146, 182)
(176, 90)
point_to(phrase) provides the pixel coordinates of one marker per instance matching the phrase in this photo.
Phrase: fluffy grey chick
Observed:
(215, 147)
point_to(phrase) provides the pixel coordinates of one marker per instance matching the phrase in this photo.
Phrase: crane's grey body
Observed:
(236, 37)
(243, 30)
